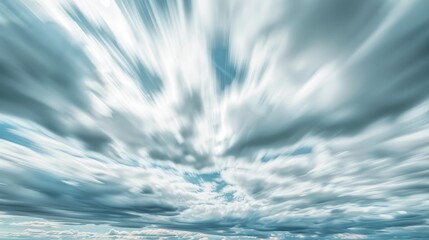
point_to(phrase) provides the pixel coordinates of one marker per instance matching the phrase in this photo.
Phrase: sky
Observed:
(214, 119)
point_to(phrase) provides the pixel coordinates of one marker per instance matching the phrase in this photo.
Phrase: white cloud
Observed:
(38, 224)
(282, 119)
(350, 236)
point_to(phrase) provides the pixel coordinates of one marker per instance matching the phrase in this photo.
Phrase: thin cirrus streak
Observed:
(214, 119)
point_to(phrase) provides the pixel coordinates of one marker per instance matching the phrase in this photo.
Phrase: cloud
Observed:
(338, 184)
(38, 224)
(44, 75)
(350, 236)
(158, 233)
(85, 189)
(217, 119)
(31, 233)
(168, 96)
(328, 84)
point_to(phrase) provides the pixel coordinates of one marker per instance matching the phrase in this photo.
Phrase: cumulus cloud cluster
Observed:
(218, 119)
(111, 234)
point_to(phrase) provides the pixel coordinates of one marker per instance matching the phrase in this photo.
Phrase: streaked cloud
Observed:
(214, 119)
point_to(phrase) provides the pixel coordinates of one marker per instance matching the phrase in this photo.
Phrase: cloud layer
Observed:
(214, 119)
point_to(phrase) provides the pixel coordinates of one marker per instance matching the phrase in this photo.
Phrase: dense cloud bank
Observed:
(212, 119)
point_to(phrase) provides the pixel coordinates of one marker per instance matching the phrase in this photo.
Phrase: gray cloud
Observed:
(105, 201)
(381, 71)
(85, 190)
(42, 74)
(283, 119)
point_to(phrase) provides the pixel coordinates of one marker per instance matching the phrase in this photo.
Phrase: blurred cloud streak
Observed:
(274, 119)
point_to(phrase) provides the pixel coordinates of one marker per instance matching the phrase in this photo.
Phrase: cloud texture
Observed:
(214, 119)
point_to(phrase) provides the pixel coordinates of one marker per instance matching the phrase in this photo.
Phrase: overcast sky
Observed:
(214, 119)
